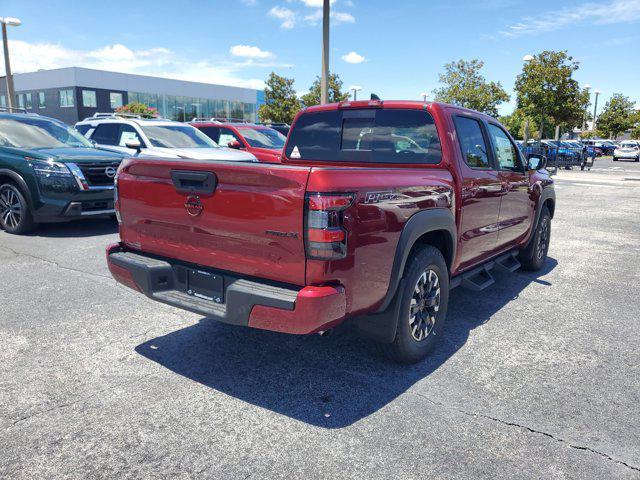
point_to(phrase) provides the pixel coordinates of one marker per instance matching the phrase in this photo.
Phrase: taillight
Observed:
(116, 193)
(325, 236)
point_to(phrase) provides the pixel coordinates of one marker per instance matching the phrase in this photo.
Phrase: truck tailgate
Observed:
(243, 218)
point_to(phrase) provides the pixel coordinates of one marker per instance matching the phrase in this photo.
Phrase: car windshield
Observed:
(177, 136)
(263, 137)
(29, 132)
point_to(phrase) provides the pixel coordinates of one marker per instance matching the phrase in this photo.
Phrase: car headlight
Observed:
(52, 176)
(49, 168)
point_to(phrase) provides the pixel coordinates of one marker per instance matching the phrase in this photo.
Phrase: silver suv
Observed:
(133, 134)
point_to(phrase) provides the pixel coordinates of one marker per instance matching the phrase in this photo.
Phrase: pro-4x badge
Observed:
(295, 153)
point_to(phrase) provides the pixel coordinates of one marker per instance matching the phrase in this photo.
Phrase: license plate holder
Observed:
(205, 285)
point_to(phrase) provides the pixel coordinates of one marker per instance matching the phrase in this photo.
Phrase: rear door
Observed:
(516, 207)
(243, 218)
(481, 192)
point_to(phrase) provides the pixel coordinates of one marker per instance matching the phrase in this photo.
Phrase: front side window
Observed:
(115, 99)
(89, 98)
(177, 136)
(366, 135)
(226, 137)
(504, 151)
(39, 133)
(472, 144)
(127, 134)
(66, 98)
(41, 100)
(263, 137)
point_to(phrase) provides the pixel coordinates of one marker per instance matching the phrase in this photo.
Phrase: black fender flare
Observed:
(421, 223)
(20, 182)
(546, 194)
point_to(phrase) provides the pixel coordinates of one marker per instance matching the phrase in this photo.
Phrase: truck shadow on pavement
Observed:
(328, 382)
(77, 228)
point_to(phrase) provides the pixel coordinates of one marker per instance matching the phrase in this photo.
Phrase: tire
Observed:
(426, 281)
(615, 159)
(15, 216)
(637, 159)
(534, 254)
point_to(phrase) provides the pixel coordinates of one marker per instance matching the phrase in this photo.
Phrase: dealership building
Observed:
(73, 93)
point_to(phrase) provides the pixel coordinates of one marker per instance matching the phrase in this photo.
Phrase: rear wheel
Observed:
(534, 254)
(423, 307)
(615, 159)
(15, 216)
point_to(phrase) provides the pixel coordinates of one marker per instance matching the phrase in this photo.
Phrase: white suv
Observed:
(155, 137)
(627, 149)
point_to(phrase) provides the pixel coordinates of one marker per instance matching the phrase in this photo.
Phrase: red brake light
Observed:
(325, 237)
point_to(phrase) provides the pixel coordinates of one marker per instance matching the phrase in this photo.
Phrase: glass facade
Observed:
(186, 108)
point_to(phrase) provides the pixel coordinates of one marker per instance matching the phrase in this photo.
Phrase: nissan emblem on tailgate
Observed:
(193, 205)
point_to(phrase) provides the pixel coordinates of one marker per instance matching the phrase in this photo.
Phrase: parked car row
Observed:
(50, 172)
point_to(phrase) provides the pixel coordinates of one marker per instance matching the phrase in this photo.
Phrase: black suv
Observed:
(50, 173)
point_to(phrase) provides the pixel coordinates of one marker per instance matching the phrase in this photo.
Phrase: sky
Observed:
(394, 49)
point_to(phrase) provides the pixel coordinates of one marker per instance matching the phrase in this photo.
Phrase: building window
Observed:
(28, 102)
(20, 97)
(66, 98)
(41, 102)
(89, 98)
(115, 99)
(3, 101)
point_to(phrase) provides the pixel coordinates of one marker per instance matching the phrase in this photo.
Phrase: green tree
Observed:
(635, 130)
(138, 108)
(547, 92)
(466, 87)
(335, 91)
(281, 103)
(618, 116)
(516, 124)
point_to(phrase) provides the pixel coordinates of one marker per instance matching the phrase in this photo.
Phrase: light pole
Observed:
(324, 81)
(587, 87)
(13, 22)
(595, 108)
(424, 96)
(355, 89)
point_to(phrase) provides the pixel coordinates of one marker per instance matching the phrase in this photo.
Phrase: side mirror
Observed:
(536, 162)
(134, 145)
(235, 144)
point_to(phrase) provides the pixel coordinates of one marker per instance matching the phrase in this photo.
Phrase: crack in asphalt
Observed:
(530, 430)
(79, 400)
(56, 264)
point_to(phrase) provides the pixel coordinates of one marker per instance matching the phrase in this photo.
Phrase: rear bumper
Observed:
(246, 302)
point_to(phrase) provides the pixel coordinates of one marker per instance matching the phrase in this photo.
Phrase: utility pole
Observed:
(324, 82)
(11, 94)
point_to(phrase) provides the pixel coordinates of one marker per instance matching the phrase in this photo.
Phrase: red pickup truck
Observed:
(377, 210)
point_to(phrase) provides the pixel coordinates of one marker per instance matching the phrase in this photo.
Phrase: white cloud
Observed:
(316, 3)
(286, 16)
(615, 11)
(337, 17)
(248, 51)
(159, 62)
(353, 57)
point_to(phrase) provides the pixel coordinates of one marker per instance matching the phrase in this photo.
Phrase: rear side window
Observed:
(212, 132)
(106, 134)
(474, 148)
(366, 135)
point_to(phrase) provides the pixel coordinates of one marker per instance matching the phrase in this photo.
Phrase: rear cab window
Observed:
(387, 135)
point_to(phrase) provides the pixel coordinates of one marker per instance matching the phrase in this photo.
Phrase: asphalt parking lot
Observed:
(536, 377)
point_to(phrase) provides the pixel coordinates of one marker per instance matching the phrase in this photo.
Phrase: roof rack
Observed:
(218, 120)
(139, 116)
(13, 109)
